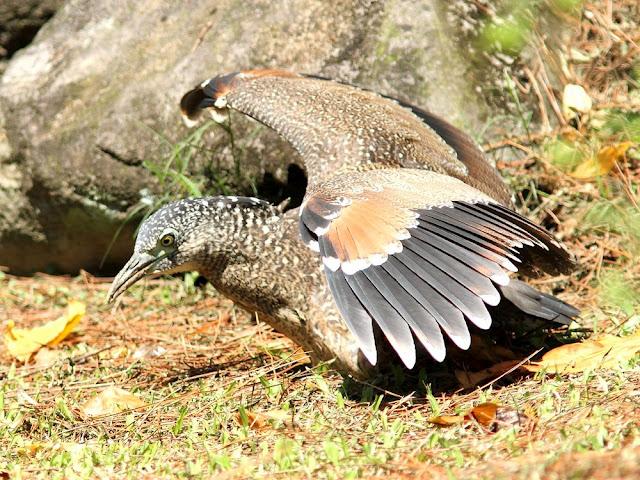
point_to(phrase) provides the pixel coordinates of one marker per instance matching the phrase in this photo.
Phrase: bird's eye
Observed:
(167, 240)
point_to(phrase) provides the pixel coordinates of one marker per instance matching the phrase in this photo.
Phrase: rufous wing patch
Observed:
(370, 226)
(420, 254)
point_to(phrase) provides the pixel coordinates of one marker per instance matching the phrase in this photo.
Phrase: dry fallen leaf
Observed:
(21, 343)
(485, 413)
(109, 401)
(447, 420)
(45, 357)
(490, 415)
(262, 420)
(603, 162)
(605, 352)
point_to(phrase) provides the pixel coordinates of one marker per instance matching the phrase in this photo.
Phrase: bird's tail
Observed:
(538, 304)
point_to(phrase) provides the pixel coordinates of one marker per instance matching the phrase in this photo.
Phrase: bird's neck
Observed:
(264, 270)
(280, 280)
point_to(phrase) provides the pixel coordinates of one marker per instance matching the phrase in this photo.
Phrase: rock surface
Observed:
(20, 20)
(96, 94)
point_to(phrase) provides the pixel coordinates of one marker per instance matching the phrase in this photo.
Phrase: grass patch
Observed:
(227, 396)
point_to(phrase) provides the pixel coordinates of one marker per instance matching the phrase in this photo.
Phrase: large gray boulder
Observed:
(96, 94)
(20, 20)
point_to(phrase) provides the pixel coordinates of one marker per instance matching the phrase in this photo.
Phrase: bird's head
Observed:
(182, 235)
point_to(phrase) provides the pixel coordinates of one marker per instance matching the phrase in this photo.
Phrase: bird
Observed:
(405, 241)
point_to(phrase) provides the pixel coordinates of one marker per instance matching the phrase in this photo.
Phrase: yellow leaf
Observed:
(447, 420)
(23, 342)
(606, 352)
(110, 401)
(603, 162)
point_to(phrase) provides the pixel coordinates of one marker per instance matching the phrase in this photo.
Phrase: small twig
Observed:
(546, 126)
(624, 175)
(203, 33)
(551, 97)
(517, 142)
(512, 369)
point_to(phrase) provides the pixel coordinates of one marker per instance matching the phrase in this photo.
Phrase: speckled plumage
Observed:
(412, 226)
(337, 127)
(252, 254)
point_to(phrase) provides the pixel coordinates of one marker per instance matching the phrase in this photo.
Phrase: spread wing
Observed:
(336, 126)
(417, 253)
(404, 210)
(480, 173)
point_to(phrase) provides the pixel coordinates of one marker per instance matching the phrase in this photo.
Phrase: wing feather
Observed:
(422, 323)
(448, 317)
(503, 228)
(475, 256)
(445, 228)
(423, 261)
(355, 315)
(394, 327)
(470, 304)
(463, 274)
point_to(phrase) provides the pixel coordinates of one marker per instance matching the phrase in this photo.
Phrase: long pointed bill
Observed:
(136, 268)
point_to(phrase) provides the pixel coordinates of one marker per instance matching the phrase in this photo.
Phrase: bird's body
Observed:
(412, 226)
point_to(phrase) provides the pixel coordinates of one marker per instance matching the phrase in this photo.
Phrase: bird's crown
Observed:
(172, 221)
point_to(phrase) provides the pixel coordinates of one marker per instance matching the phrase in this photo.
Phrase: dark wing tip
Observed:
(555, 260)
(539, 304)
(193, 102)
